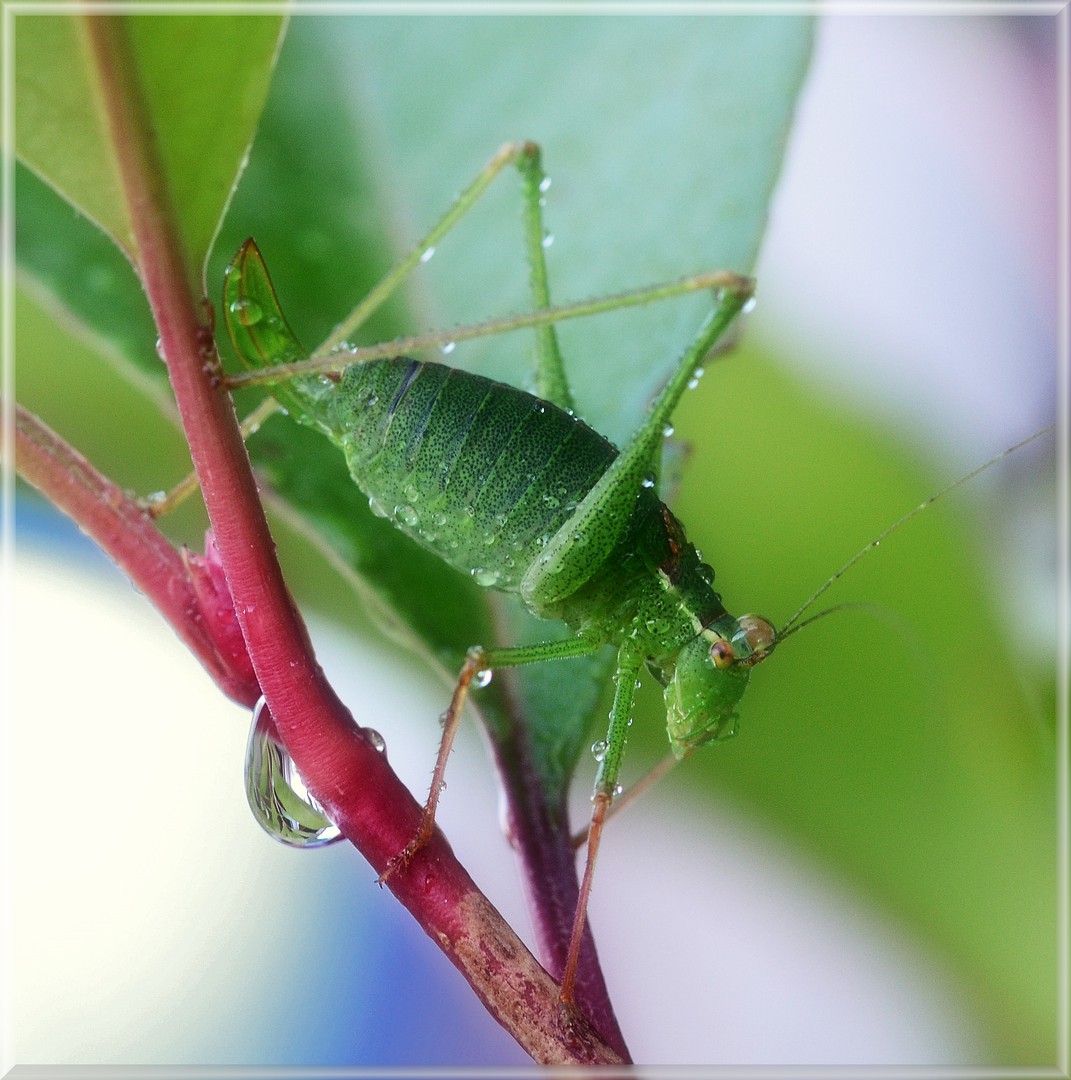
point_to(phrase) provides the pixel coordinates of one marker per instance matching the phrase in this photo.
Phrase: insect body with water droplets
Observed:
(516, 491)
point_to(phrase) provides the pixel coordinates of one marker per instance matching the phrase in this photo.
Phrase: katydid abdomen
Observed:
(480, 473)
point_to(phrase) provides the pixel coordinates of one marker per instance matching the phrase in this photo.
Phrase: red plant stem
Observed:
(341, 767)
(126, 532)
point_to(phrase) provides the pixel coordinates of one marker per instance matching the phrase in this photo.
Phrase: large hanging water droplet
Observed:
(599, 749)
(482, 678)
(277, 795)
(485, 577)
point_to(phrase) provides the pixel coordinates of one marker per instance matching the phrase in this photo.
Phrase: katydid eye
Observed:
(721, 654)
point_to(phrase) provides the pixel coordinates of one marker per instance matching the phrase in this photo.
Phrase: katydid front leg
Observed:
(629, 661)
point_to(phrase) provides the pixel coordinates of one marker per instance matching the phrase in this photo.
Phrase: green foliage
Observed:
(203, 81)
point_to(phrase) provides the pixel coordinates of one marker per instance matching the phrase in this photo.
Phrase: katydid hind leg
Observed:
(551, 383)
(583, 544)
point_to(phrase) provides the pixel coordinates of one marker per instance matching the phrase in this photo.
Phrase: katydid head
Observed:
(709, 678)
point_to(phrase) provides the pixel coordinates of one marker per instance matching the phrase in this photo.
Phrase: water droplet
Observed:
(749, 305)
(411, 492)
(427, 254)
(449, 347)
(248, 311)
(482, 678)
(693, 382)
(160, 349)
(377, 507)
(618, 788)
(377, 741)
(485, 577)
(277, 795)
(706, 572)
(406, 515)
(599, 749)
(547, 240)
(540, 406)
(544, 184)
(648, 481)
(668, 430)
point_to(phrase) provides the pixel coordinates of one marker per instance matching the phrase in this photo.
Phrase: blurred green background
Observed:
(902, 755)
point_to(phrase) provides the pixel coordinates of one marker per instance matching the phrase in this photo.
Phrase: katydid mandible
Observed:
(517, 492)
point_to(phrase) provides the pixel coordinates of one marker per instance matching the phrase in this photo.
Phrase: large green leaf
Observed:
(204, 80)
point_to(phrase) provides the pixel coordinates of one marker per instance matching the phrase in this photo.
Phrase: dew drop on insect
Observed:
(749, 305)
(482, 678)
(160, 349)
(648, 481)
(706, 572)
(406, 515)
(539, 407)
(599, 749)
(668, 430)
(544, 184)
(427, 254)
(377, 507)
(618, 788)
(377, 742)
(411, 492)
(485, 577)
(448, 348)
(277, 795)
(548, 240)
(248, 311)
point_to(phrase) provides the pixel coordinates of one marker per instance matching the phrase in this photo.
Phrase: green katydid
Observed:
(514, 490)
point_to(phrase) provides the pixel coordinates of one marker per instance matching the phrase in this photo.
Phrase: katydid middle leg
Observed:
(477, 660)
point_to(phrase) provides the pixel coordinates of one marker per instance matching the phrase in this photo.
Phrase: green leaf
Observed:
(59, 128)
(204, 80)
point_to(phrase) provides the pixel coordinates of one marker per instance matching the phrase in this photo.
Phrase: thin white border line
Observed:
(1063, 498)
(7, 534)
(936, 8)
